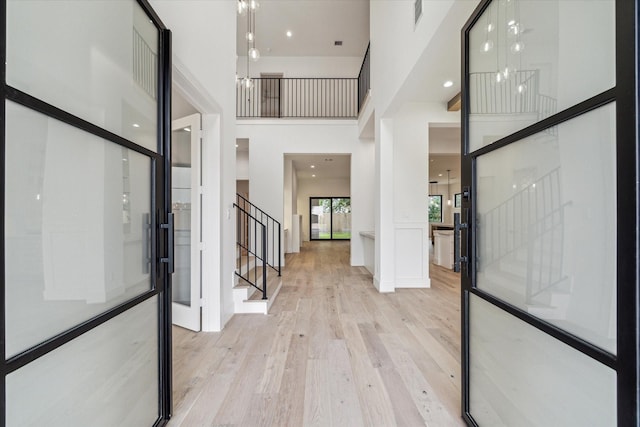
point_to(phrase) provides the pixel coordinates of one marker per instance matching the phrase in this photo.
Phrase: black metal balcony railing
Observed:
(298, 98)
(364, 78)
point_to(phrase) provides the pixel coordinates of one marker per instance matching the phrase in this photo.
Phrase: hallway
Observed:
(332, 352)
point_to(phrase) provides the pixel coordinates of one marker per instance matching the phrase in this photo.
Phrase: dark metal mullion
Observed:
(3, 72)
(574, 111)
(26, 100)
(627, 223)
(144, 4)
(164, 203)
(45, 347)
(561, 335)
(468, 274)
(330, 218)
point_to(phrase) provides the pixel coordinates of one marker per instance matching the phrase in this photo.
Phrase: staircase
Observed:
(258, 258)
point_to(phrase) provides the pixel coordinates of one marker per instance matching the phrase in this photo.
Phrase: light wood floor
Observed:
(332, 352)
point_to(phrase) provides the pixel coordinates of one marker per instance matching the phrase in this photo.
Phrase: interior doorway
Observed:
(186, 181)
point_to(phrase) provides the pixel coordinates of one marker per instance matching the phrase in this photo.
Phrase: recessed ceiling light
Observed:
(448, 83)
(135, 125)
(313, 176)
(289, 33)
(187, 129)
(439, 174)
(313, 166)
(237, 145)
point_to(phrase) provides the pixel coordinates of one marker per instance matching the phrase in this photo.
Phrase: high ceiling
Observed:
(315, 26)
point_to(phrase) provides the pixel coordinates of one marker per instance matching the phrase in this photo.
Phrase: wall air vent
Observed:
(337, 43)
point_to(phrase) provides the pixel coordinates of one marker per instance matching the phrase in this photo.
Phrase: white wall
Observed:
(242, 165)
(201, 33)
(303, 66)
(329, 187)
(402, 227)
(396, 43)
(289, 201)
(271, 140)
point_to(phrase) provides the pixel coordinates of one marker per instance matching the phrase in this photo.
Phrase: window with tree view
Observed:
(435, 208)
(330, 218)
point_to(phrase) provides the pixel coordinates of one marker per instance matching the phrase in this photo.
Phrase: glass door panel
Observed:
(546, 238)
(528, 60)
(76, 221)
(186, 203)
(524, 377)
(105, 72)
(56, 386)
(86, 329)
(542, 183)
(320, 213)
(341, 218)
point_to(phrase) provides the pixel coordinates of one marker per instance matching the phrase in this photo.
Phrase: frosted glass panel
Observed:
(520, 376)
(76, 226)
(529, 59)
(95, 59)
(546, 225)
(107, 377)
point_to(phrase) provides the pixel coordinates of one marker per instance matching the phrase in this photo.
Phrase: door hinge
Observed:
(201, 190)
(201, 246)
(201, 302)
(201, 134)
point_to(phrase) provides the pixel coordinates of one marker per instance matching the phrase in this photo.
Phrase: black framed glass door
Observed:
(549, 262)
(330, 218)
(85, 215)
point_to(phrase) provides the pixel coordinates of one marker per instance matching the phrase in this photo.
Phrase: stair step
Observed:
(248, 299)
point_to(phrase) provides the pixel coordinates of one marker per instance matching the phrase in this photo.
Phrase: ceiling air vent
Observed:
(337, 43)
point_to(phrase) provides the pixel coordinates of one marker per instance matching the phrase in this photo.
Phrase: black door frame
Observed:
(625, 95)
(160, 203)
(331, 215)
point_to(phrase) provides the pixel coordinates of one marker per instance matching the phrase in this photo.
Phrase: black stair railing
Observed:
(273, 230)
(251, 245)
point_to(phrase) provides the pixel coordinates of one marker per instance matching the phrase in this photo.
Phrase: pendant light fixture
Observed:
(253, 54)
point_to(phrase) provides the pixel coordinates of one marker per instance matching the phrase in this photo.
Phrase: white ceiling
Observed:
(315, 25)
(326, 166)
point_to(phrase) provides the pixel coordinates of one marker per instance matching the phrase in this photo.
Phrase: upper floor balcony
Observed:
(319, 98)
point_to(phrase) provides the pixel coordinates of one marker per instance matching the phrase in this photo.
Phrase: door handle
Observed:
(169, 258)
(458, 258)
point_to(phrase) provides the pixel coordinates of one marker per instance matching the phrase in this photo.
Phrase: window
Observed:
(435, 208)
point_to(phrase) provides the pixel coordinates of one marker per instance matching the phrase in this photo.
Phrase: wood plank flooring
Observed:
(332, 352)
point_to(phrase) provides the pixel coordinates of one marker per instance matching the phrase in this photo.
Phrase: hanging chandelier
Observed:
(249, 8)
